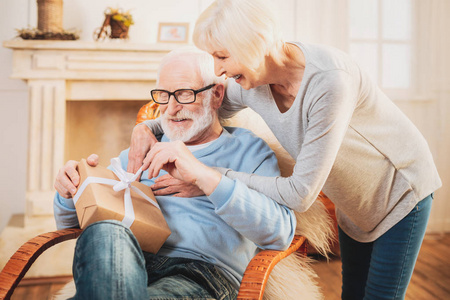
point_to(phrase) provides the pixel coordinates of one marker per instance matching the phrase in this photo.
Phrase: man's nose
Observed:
(173, 106)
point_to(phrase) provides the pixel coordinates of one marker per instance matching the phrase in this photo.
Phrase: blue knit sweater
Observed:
(228, 227)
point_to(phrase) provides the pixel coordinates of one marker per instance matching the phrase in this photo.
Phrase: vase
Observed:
(50, 15)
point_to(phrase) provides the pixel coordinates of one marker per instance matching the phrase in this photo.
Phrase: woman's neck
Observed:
(285, 74)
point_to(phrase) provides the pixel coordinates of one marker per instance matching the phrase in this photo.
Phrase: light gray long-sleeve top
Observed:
(349, 140)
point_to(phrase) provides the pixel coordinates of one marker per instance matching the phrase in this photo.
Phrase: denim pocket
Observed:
(154, 262)
(425, 203)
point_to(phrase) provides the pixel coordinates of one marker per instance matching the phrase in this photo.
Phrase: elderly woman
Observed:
(347, 137)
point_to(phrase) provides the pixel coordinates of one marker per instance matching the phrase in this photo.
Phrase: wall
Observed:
(13, 117)
(320, 21)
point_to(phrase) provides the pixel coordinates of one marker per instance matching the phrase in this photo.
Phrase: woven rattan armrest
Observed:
(258, 270)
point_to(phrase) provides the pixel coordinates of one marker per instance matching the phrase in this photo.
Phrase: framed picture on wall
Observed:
(173, 32)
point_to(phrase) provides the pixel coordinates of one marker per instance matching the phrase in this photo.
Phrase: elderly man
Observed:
(214, 235)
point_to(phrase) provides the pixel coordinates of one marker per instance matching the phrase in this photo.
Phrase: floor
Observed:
(430, 281)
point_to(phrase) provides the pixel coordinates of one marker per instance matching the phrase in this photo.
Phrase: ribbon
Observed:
(124, 184)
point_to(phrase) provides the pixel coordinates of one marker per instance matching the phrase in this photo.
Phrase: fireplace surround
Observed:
(64, 76)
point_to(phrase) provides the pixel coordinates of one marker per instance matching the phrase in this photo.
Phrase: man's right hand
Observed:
(68, 178)
(142, 140)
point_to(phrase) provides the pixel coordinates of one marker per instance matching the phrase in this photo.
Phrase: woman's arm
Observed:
(154, 125)
(143, 138)
(257, 217)
(328, 120)
(232, 101)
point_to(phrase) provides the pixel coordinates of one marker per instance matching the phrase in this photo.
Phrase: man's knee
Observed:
(107, 243)
(105, 227)
(106, 233)
(107, 252)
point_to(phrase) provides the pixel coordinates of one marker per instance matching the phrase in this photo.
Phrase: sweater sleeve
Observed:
(232, 101)
(254, 215)
(64, 212)
(154, 125)
(329, 116)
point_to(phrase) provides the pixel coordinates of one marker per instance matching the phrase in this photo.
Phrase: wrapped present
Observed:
(115, 195)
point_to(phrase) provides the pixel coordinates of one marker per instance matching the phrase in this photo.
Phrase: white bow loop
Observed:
(125, 178)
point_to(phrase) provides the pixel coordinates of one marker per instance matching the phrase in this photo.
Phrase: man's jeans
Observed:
(109, 264)
(382, 269)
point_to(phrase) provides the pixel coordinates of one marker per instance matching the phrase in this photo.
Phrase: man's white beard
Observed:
(201, 122)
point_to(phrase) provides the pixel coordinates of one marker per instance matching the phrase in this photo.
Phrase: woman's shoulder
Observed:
(326, 59)
(242, 135)
(236, 94)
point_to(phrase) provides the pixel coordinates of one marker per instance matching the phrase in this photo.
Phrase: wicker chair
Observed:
(252, 286)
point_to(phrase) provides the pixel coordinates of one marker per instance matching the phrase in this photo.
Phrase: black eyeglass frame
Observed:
(174, 92)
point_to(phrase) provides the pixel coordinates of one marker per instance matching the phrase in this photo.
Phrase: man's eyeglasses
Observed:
(182, 96)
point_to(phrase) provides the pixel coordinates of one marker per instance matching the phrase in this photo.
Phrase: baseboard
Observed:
(45, 280)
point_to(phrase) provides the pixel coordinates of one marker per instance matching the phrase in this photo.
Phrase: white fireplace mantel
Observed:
(59, 71)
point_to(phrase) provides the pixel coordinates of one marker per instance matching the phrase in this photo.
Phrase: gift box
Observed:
(115, 195)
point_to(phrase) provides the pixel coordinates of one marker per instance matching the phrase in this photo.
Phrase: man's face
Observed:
(185, 122)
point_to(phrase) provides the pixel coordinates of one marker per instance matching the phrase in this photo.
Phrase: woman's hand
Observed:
(167, 185)
(68, 178)
(178, 161)
(142, 140)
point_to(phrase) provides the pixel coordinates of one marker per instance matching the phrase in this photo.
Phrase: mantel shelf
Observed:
(119, 45)
(86, 61)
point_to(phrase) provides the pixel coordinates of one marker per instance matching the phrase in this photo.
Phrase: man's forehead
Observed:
(181, 75)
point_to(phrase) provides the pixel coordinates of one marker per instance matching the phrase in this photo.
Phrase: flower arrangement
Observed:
(36, 34)
(125, 17)
(115, 26)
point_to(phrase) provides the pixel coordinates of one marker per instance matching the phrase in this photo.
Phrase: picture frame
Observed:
(173, 32)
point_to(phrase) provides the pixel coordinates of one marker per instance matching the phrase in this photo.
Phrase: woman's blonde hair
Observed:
(247, 29)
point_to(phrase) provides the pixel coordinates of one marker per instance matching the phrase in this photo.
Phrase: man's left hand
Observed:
(167, 185)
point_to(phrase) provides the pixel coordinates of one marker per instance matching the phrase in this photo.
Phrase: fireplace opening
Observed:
(102, 127)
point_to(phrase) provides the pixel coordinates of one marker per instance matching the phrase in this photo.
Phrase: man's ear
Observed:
(218, 93)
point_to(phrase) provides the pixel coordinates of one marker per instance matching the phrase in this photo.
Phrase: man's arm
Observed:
(66, 184)
(260, 219)
(267, 223)
(65, 213)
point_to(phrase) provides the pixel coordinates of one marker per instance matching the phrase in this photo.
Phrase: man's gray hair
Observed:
(203, 59)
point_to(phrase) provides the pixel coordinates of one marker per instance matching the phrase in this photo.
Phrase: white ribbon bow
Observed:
(124, 184)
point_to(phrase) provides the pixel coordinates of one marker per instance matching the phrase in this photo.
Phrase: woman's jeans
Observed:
(109, 264)
(382, 269)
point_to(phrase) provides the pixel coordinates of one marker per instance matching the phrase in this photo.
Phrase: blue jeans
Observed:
(109, 264)
(382, 269)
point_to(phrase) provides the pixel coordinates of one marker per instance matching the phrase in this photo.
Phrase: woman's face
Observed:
(225, 64)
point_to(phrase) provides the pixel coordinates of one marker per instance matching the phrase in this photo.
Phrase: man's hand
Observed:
(142, 140)
(68, 178)
(167, 185)
(178, 161)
